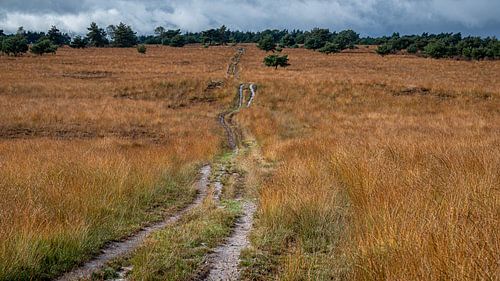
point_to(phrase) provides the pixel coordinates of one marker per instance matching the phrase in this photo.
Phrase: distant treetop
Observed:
(448, 45)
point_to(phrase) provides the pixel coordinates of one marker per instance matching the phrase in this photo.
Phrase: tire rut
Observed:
(223, 263)
(232, 69)
(124, 247)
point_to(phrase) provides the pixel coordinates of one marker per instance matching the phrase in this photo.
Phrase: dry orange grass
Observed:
(387, 168)
(93, 141)
(108, 92)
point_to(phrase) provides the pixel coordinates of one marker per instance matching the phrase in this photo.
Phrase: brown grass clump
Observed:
(96, 142)
(386, 168)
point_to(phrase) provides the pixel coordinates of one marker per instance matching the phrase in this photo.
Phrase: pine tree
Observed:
(56, 37)
(78, 42)
(123, 36)
(276, 60)
(96, 36)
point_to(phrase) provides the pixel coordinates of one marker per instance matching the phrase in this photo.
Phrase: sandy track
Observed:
(223, 263)
(226, 258)
(122, 248)
(232, 69)
(226, 123)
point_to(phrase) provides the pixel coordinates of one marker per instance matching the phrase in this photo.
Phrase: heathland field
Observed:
(96, 142)
(362, 167)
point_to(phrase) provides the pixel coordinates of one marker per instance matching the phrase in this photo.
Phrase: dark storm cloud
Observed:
(41, 6)
(373, 17)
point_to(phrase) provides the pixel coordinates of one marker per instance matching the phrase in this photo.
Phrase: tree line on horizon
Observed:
(443, 45)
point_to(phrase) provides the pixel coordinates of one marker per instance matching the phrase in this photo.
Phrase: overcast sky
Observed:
(368, 17)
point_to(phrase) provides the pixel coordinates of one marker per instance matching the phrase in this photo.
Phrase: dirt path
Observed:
(232, 69)
(122, 248)
(226, 122)
(224, 261)
(226, 258)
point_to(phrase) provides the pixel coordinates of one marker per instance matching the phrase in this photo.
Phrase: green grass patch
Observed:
(45, 257)
(177, 253)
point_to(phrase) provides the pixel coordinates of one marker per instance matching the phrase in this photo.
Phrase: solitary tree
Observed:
(14, 45)
(43, 46)
(266, 43)
(276, 60)
(96, 36)
(122, 35)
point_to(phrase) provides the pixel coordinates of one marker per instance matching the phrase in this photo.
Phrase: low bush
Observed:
(43, 46)
(142, 49)
(14, 45)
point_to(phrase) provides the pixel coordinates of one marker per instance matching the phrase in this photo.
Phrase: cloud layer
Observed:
(370, 17)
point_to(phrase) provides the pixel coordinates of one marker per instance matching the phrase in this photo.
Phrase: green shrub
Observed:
(478, 53)
(346, 39)
(14, 45)
(412, 49)
(78, 42)
(385, 49)
(467, 53)
(330, 48)
(43, 46)
(436, 49)
(317, 38)
(276, 60)
(287, 40)
(141, 49)
(266, 43)
(177, 41)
